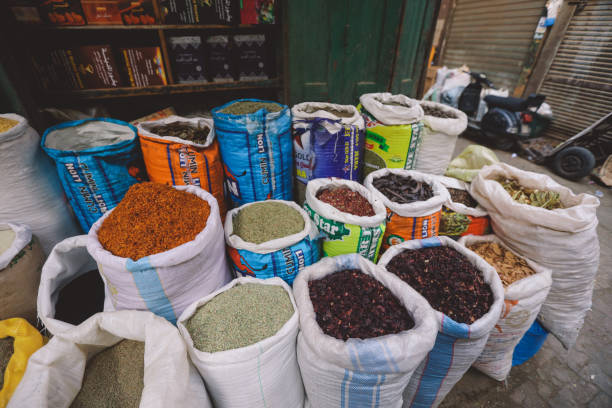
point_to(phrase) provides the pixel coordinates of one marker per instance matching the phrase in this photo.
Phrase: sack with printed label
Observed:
(328, 141)
(394, 129)
(346, 233)
(97, 161)
(522, 302)
(282, 257)
(36, 196)
(257, 150)
(360, 372)
(458, 219)
(178, 161)
(563, 240)
(457, 345)
(417, 220)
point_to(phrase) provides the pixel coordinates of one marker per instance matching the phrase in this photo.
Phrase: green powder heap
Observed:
(243, 108)
(113, 377)
(239, 317)
(6, 352)
(265, 221)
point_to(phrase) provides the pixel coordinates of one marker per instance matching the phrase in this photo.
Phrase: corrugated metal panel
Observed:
(578, 85)
(492, 36)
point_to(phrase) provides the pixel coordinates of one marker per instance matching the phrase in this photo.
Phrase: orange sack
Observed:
(178, 161)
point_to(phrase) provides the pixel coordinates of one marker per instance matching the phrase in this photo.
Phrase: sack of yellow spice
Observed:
(526, 285)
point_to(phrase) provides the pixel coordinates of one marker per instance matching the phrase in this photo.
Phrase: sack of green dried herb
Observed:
(458, 345)
(256, 365)
(409, 216)
(368, 372)
(461, 214)
(443, 125)
(278, 239)
(21, 260)
(563, 240)
(56, 373)
(346, 233)
(523, 299)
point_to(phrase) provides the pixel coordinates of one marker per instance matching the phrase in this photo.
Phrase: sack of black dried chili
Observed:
(365, 371)
(445, 273)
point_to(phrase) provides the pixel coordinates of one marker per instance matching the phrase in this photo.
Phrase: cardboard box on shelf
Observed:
(257, 11)
(219, 63)
(94, 67)
(145, 66)
(200, 11)
(187, 59)
(137, 12)
(53, 70)
(102, 12)
(62, 12)
(252, 57)
(25, 11)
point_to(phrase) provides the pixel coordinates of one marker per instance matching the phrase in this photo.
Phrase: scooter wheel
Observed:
(574, 162)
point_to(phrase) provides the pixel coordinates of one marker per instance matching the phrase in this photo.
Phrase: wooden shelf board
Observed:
(147, 27)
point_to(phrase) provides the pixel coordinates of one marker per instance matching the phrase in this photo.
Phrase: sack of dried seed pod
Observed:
(271, 238)
(394, 126)
(457, 345)
(250, 360)
(523, 298)
(359, 372)
(156, 374)
(255, 141)
(461, 214)
(328, 141)
(182, 151)
(414, 220)
(359, 232)
(18, 340)
(563, 240)
(21, 259)
(443, 125)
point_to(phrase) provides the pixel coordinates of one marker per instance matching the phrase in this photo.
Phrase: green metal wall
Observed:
(341, 49)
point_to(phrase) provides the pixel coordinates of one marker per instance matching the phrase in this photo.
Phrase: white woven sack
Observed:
(450, 182)
(380, 106)
(55, 372)
(439, 139)
(522, 302)
(144, 129)
(562, 240)
(457, 345)
(168, 282)
(264, 374)
(312, 110)
(36, 195)
(361, 373)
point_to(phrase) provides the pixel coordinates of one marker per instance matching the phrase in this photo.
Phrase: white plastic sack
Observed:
(168, 282)
(382, 106)
(439, 139)
(563, 240)
(446, 80)
(264, 374)
(457, 345)
(450, 182)
(522, 302)
(55, 372)
(35, 196)
(360, 373)
(312, 110)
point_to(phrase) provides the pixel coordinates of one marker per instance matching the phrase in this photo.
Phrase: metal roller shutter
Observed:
(492, 37)
(578, 85)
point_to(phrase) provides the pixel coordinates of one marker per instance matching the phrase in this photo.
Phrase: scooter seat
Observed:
(506, 102)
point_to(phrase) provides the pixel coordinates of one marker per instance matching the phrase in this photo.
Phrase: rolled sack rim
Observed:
(144, 133)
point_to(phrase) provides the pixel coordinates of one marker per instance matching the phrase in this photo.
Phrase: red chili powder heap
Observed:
(346, 200)
(152, 218)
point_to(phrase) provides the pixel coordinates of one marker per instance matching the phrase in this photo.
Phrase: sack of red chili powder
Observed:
(347, 233)
(370, 372)
(415, 220)
(563, 240)
(523, 299)
(457, 345)
(181, 152)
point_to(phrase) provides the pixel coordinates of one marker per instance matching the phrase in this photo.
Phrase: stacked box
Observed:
(137, 12)
(60, 12)
(219, 58)
(187, 59)
(257, 11)
(25, 11)
(252, 57)
(145, 66)
(200, 11)
(102, 12)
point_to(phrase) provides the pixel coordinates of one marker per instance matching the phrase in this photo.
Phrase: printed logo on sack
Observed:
(394, 239)
(290, 264)
(187, 161)
(232, 182)
(241, 265)
(334, 230)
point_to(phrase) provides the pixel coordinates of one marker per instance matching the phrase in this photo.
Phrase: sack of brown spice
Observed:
(413, 202)
(242, 340)
(435, 268)
(121, 359)
(350, 217)
(271, 238)
(563, 240)
(160, 249)
(526, 285)
(373, 368)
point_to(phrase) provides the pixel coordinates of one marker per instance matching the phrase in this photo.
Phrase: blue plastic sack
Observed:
(530, 344)
(257, 153)
(96, 179)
